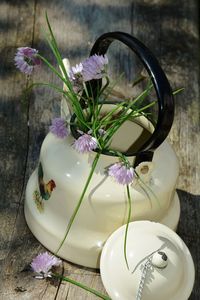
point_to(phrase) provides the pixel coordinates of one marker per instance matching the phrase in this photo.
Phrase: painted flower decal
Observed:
(26, 59)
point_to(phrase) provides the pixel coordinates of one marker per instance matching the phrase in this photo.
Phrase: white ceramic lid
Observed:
(171, 272)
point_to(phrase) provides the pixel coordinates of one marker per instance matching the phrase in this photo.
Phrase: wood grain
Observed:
(170, 29)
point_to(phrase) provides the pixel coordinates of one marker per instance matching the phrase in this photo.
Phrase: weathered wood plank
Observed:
(170, 29)
(15, 18)
(67, 291)
(18, 246)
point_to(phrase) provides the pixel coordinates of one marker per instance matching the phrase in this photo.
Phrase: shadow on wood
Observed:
(189, 231)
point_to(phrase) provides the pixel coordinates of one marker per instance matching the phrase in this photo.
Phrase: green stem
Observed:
(52, 68)
(111, 87)
(127, 225)
(54, 47)
(120, 105)
(70, 95)
(88, 101)
(48, 85)
(178, 91)
(86, 288)
(146, 193)
(66, 94)
(111, 113)
(122, 119)
(148, 188)
(95, 161)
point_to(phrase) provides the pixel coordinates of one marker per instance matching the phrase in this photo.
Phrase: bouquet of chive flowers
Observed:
(93, 120)
(92, 126)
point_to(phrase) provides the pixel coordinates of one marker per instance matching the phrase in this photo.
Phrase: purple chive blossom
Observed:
(43, 263)
(76, 72)
(94, 67)
(75, 76)
(59, 128)
(85, 143)
(121, 173)
(26, 59)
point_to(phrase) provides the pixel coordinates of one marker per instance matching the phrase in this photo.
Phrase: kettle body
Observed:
(105, 206)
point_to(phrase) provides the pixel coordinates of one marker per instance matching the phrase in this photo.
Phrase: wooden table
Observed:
(170, 29)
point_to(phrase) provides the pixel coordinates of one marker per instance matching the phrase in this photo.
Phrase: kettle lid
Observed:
(160, 264)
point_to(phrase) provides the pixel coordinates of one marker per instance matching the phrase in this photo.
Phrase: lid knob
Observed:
(159, 260)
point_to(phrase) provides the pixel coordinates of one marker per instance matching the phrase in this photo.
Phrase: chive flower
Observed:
(94, 67)
(76, 77)
(76, 72)
(121, 173)
(26, 59)
(85, 143)
(59, 128)
(43, 263)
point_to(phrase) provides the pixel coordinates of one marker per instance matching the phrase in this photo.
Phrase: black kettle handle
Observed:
(161, 85)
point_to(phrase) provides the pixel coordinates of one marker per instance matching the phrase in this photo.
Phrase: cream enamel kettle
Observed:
(64, 172)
